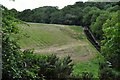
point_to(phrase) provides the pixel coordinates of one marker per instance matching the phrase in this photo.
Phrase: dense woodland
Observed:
(101, 18)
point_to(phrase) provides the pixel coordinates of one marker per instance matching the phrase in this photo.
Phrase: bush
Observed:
(107, 73)
(55, 68)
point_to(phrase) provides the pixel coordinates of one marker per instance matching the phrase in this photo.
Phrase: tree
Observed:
(57, 20)
(14, 60)
(14, 12)
(96, 26)
(90, 15)
(111, 47)
(25, 15)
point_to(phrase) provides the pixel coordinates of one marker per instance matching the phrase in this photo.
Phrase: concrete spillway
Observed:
(91, 38)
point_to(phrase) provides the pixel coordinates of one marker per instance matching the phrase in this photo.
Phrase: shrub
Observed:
(55, 68)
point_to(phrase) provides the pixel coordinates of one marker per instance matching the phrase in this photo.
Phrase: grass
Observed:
(42, 35)
(75, 32)
(90, 66)
(63, 40)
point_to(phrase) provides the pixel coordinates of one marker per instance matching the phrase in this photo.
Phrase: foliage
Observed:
(78, 14)
(96, 26)
(111, 47)
(13, 59)
(9, 46)
(41, 14)
(107, 73)
(91, 13)
(54, 68)
(87, 76)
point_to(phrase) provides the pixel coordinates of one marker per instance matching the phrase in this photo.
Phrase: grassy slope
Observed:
(43, 36)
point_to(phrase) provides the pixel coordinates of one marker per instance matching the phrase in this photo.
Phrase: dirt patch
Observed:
(76, 50)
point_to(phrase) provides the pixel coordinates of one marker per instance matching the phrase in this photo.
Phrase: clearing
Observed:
(62, 40)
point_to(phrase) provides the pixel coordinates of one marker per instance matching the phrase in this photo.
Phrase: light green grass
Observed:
(91, 66)
(75, 32)
(43, 35)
